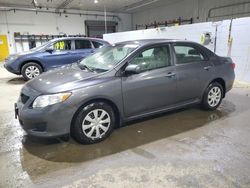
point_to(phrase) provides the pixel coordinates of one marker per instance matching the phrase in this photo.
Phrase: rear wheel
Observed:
(212, 96)
(93, 123)
(31, 70)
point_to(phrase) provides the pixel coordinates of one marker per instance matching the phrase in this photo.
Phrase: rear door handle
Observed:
(170, 74)
(207, 67)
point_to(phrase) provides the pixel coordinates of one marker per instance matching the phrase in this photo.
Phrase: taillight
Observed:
(233, 65)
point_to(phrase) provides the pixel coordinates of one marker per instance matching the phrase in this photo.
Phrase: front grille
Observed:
(24, 98)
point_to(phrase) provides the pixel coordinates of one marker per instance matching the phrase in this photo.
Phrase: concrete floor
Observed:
(186, 148)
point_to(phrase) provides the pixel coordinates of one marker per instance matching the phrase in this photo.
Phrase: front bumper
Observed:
(50, 121)
(8, 67)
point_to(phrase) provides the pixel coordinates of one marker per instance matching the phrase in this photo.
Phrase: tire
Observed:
(213, 96)
(31, 70)
(88, 115)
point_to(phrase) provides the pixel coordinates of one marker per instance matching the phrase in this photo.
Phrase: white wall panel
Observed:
(47, 23)
(196, 9)
(240, 52)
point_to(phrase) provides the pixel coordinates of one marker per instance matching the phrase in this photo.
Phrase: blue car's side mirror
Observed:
(50, 50)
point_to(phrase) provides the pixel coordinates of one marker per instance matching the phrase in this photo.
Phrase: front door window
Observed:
(153, 58)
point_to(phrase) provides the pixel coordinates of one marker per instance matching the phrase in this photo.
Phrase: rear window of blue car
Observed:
(97, 44)
(82, 44)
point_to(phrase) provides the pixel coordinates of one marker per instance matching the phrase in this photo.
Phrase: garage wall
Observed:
(196, 9)
(240, 49)
(48, 23)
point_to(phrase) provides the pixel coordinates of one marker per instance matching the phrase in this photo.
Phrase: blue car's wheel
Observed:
(31, 70)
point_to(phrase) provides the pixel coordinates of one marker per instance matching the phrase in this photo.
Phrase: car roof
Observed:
(146, 42)
(75, 38)
(143, 42)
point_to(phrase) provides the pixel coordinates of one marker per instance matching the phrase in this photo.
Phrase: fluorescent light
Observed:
(141, 5)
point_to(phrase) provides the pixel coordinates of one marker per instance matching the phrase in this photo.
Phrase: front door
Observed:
(61, 55)
(155, 87)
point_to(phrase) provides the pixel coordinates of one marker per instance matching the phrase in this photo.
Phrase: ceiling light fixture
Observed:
(141, 5)
(96, 1)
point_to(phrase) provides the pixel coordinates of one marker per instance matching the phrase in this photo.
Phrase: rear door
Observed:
(60, 56)
(82, 48)
(193, 69)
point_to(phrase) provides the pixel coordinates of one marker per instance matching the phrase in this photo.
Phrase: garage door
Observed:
(97, 28)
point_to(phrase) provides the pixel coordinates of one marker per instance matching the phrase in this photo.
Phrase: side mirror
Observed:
(49, 49)
(132, 69)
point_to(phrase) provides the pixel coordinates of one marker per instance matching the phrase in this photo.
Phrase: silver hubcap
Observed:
(32, 72)
(214, 96)
(96, 123)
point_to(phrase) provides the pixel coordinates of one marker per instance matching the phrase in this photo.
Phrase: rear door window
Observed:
(82, 44)
(187, 54)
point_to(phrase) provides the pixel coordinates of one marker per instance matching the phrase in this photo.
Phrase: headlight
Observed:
(46, 100)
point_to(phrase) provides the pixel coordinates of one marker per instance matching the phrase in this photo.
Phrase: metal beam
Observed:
(8, 9)
(63, 5)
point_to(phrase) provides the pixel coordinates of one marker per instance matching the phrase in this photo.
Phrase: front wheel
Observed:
(31, 70)
(93, 123)
(212, 96)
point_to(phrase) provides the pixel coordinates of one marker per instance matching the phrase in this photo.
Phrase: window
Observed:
(97, 44)
(82, 44)
(187, 54)
(62, 45)
(153, 58)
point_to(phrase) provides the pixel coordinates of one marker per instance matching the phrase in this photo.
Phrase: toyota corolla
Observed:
(120, 83)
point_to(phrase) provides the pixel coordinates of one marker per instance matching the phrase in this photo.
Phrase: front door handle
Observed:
(170, 74)
(207, 67)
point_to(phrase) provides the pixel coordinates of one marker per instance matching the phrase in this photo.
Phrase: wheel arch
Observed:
(105, 100)
(31, 61)
(222, 82)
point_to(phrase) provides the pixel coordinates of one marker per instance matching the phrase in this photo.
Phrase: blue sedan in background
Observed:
(53, 54)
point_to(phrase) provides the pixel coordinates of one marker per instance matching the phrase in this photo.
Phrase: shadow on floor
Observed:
(16, 81)
(41, 156)
(134, 134)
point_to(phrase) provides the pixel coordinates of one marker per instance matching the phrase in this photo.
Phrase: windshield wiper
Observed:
(83, 66)
(99, 70)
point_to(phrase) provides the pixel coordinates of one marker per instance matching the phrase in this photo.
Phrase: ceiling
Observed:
(128, 6)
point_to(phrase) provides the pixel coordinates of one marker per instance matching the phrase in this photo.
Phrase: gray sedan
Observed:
(120, 83)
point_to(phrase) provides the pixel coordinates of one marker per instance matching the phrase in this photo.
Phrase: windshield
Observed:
(108, 57)
(40, 47)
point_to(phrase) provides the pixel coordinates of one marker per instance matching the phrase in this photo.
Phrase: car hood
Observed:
(26, 52)
(19, 54)
(61, 80)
